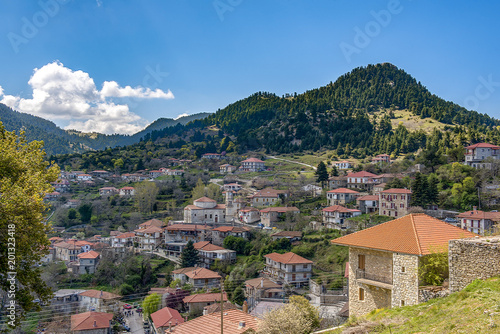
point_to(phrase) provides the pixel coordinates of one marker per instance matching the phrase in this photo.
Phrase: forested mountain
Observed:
(59, 141)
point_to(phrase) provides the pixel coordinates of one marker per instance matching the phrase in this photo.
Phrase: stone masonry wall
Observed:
(376, 262)
(405, 280)
(474, 258)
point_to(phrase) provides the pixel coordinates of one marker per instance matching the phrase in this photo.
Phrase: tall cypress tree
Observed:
(189, 256)
(321, 173)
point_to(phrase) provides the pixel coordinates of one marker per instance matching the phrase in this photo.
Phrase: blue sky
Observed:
(115, 66)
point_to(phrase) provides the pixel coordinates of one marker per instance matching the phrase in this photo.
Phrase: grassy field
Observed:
(412, 122)
(476, 309)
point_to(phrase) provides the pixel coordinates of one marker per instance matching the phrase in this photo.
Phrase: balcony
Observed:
(381, 281)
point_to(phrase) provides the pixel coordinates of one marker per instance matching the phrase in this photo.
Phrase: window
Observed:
(403, 269)
(402, 303)
(361, 294)
(361, 261)
(305, 266)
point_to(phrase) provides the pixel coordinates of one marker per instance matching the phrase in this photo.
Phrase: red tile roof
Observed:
(478, 214)
(204, 298)
(166, 315)
(396, 191)
(100, 294)
(126, 235)
(280, 209)
(236, 229)
(361, 174)
(263, 282)
(150, 229)
(90, 321)
(416, 233)
(339, 208)
(211, 323)
(152, 222)
(289, 257)
(202, 273)
(88, 255)
(207, 246)
(343, 191)
(482, 145)
(368, 198)
(205, 199)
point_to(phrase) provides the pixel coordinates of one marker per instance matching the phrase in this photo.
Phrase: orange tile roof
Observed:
(211, 323)
(90, 321)
(368, 198)
(416, 233)
(396, 191)
(287, 258)
(233, 228)
(166, 315)
(126, 235)
(262, 281)
(100, 294)
(478, 214)
(361, 174)
(202, 273)
(483, 145)
(204, 298)
(280, 209)
(338, 208)
(152, 222)
(343, 191)
(68, 245)
(216, 307)
(150, 229)
(207, 246)
(88, 255)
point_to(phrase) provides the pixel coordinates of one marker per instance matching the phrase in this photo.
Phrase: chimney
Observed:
(262, 282)
(170, 326)
(95, 323)
(245, 306)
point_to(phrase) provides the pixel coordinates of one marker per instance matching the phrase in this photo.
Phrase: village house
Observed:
(227, 168)
(187, 232)
(215, 156)
(477, 153)
(170, 297)
(361, 180)
(155, 173)
(91, 323)
(100, 173)
(108, 191)
(149, 238)
(66, 301)
(394, 202)
(378, 188)
(384, 260)
(381, 158)
(87, 263)
(341, 196)
(69, 250)
(368, 203)
(235, 322)
(221, 232)
(208, 253)
(101, 301)
(73, 203)
(249, 215)
(252, 165)
(335, 217)
(127, 191)
(197, 302)
(479, 222)
(288, 268)
(205, 210)
(166, 319)
(232, 187)
(342, 164)
(52, 196)
(336, 182)
(261, 287)
(270, 215)
(267, 197)
(62, 186)
(123, 240)
(199, 278)
(84, 177)
(290, 235)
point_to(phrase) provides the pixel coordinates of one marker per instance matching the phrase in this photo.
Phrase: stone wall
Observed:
(405, 280)
(376, 262)
(470, 259)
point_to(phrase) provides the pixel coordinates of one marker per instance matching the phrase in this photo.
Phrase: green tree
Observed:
(433, 268)
(145, 196)
(150, 304)
(334, 171)
(85, 211)
(199, 190)
(24, 180)
(321, 173)
(238, 296)
(310, 312)
(189, 255)
(71, 213)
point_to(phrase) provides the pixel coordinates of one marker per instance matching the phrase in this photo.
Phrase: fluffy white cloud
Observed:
(61, 93)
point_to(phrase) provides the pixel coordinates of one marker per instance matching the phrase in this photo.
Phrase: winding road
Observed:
(294, 162)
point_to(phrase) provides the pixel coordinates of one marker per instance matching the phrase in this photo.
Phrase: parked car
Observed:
(127, 306)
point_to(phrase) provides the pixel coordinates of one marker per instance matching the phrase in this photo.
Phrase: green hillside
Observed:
(476, 309)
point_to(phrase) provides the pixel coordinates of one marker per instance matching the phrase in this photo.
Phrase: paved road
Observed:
(294, 162)
(135, 323)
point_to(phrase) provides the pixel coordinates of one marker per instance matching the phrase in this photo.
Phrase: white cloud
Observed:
(61, 93)
(181, 115)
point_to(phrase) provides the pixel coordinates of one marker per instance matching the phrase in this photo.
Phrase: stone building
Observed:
(384, 260)
(288, 268)
(267, 197)
(336, 182)
(335, 216)
(270, 215)
(341, 196)
(394, 202)
(474, 258)
(221, 232)
(205, 210)
(368, 203)
(361, 180)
